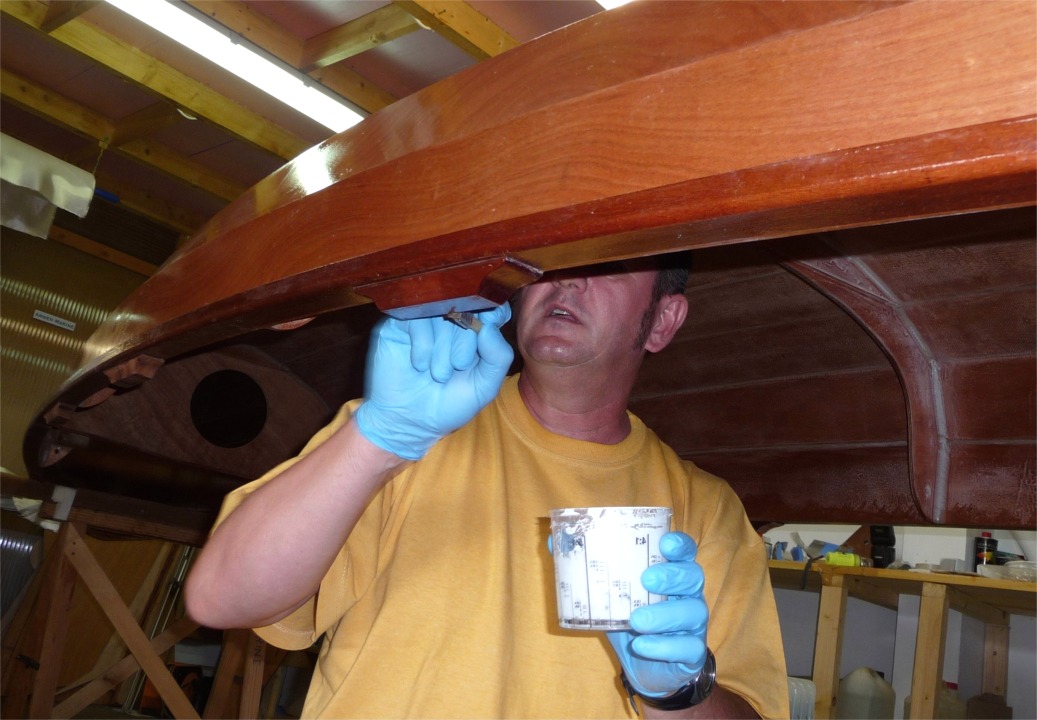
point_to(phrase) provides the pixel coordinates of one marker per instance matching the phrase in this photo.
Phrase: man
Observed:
(412, 531)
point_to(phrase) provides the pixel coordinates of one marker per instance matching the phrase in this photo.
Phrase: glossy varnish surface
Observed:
(857, 182)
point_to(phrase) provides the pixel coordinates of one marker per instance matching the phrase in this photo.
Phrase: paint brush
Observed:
(466, 320)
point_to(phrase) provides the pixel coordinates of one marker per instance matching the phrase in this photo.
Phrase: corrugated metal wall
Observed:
(21, 555)
(36, 356)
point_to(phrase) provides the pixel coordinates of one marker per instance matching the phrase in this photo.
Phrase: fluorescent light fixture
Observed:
(178, 22)
(609, 4)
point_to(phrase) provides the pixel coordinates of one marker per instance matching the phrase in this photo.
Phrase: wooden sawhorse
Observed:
(33, 684)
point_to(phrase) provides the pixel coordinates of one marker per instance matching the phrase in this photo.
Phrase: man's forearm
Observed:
(269, 555)
(721, 703)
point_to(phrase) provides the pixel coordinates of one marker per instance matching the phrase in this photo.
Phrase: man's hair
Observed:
(674, 270)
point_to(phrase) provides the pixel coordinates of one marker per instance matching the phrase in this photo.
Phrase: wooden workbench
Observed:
(989, 600)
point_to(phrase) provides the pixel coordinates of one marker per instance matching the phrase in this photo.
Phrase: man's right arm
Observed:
(269, 555)
(425, 378)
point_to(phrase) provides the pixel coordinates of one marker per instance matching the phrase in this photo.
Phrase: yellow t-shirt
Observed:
(442, 603)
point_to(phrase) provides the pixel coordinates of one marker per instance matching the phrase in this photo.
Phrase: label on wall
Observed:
(54, 320)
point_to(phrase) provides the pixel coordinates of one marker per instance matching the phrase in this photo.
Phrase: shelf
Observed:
(987, 599)
(969, 593)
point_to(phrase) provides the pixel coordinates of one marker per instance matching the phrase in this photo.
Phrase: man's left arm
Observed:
(666, 660)
(721, 703)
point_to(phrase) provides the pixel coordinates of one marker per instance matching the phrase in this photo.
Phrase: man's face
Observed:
(586, 316)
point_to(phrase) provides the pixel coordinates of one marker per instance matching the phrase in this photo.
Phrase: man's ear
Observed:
(669, 316)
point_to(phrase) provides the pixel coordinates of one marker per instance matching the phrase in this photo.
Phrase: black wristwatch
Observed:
(688, 696)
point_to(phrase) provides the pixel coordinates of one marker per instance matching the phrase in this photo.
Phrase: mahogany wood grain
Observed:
(160, 420)
(880, 157)
(577, 60)
(760, 106)
(793, 411)
(956, 327)
(468, 287)
(974, 254)
(991, 398)
(992, 483)
(837, 484)
(843, 279)
(805, 347)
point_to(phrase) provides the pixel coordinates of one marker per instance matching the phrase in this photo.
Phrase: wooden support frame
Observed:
(33, 683)
(828, 648)
(995, 658)
(988, 600)
(115, 674)
(929, 646)
(243, 651)
(57, 602)
(108, 597)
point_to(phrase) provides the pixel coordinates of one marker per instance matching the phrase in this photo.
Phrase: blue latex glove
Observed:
(667, 649)
(428, 377)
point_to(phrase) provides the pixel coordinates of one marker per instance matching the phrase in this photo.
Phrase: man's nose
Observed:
(569, 279)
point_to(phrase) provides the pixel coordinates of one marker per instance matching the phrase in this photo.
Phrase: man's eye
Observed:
(615, 267)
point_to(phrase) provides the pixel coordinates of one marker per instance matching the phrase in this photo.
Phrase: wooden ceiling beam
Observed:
(462, 25)
(354, 37)
(182, 168)
(254, 27)
(146, 203)
(144, 122)
(354, 87)
(59, 13)
(264, 33)
(48, 104)
(148, 72)
(101, 251)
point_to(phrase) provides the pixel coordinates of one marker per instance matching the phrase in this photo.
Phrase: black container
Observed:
(986, 551)
(883, 540)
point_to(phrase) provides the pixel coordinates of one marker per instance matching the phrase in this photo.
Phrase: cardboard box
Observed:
(987, 705)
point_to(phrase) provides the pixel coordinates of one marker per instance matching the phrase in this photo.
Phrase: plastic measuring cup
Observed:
(599, 555)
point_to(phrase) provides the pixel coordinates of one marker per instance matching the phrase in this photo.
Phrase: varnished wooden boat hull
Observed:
(857, 181)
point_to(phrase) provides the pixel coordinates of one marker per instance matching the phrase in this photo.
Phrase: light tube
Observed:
(221, 47)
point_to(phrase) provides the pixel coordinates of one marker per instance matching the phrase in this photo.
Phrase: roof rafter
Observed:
(261, 31)
(125, 137)
(101, 251)
(462, 25)
(144, 202)
(354, 37)
(167, 82)
(59, 13)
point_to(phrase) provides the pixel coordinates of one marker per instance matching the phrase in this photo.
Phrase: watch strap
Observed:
(683, 698)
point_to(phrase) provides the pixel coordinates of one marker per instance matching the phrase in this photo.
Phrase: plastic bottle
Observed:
(986, 550)
(948, 705)
(865, 694)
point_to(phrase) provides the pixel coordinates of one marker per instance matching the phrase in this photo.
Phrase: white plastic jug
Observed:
(865, 694)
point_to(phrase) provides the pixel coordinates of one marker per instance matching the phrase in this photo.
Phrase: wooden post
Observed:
(252, 682)
(57, 601)
(828, 648)
(995, 658)
(929, 647)
(243, 652)
(22, 641)
(126, 625)
(121, 670)
(223, 695)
